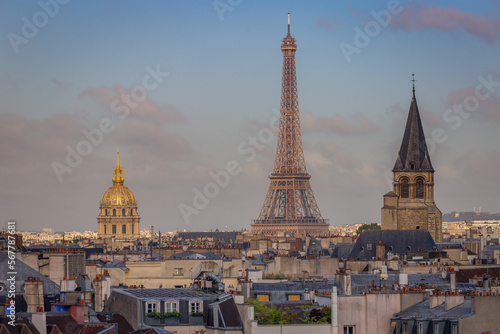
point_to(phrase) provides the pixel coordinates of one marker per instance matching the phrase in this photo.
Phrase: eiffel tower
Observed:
(290, 205)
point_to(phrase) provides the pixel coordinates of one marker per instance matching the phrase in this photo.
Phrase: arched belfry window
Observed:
(114, 212)
(131, 212)
(105, 212)
(420, 188)
(405, 189)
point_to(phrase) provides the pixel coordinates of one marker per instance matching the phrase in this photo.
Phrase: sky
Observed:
(188, 91)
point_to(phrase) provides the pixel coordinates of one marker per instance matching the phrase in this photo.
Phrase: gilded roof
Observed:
(118, 194)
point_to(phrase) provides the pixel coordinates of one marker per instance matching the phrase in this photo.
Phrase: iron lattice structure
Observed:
(290, 205)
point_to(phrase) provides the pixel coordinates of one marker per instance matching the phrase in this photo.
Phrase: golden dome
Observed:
(118, 194)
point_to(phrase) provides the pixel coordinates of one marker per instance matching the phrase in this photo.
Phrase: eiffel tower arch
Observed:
(290, 205)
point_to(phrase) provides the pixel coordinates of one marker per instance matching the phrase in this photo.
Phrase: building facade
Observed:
(118, 216)
(410, 205)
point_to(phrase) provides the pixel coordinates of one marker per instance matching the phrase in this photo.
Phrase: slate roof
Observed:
(166, 294)
(342, 251)
(413, 279)
(413, 149)
(124, 326)
(396, 241)
(190, 255)
(423, 311)
(23, 272)
(225, 236)
(229, 317)
(291, 286)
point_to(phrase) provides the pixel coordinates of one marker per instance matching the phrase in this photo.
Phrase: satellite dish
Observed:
(195, 272)
(184, 248)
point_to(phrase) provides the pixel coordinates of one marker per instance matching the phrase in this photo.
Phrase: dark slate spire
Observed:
(413, 154)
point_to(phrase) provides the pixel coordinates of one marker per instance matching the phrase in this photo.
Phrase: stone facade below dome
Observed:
(118, 217)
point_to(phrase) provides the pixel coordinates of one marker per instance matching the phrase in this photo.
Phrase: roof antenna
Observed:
(289, 23)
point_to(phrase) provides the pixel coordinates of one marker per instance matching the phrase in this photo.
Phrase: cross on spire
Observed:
(413, 80)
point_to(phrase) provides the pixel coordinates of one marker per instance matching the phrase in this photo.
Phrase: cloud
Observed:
(429, 119)
(146, 110)
(447, 19)
(467, 99)
(325, 23)
(59, 84)
(150, 139)
(358, 124)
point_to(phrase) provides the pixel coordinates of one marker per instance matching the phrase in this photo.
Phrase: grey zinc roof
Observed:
(226, 236)
(396, 241)
(166, 294)
(342, 251)
(413, 279)
(23, 272)
(292, 286)
(422, 310)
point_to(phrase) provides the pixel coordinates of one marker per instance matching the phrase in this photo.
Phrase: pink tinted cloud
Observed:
(358, 124)
(147, 110)
(429, 119)
(488, 108)
(325, 23)
(59, 84)
(448, 20)
(151, 139)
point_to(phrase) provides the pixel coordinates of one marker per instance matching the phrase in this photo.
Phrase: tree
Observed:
(364, 227)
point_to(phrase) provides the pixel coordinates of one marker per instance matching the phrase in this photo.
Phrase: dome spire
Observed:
(117, 171)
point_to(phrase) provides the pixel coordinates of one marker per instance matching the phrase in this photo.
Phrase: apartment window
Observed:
(170, 307)
(105, 229)
(436, 328)
(454, 328)
(195, 307)
(132, 228)
(124, 229)
(263, 298)
(348, 329)
(293, 297)
(420, 328)
(113, 228)
(405, 328)
(179, 272)
(152, 307)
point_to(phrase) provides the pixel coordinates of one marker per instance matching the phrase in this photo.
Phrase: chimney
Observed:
(436, 300)
(334, 310)
(39, 320)
(380, 250)
(453, 280)
(450, 301)
(33, 294)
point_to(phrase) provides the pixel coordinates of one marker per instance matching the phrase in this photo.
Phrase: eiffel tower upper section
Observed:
(289, 158)
(290, 205)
